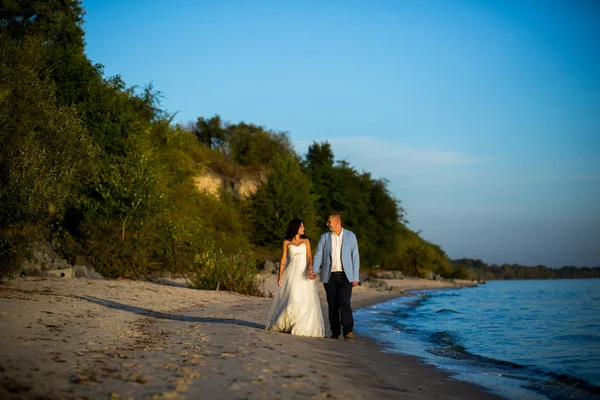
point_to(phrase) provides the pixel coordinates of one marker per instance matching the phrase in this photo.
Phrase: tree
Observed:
(45, 152)
(128, 192)
(254, 146)
(211, 132)
(285, 195)
(365, 203)
(248, 145)
(58, 24)
(319, 164)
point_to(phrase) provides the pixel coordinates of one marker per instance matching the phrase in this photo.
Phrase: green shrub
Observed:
(215, 270)
(45, 152)
(111, 256)
(167, 220)
(415, 256)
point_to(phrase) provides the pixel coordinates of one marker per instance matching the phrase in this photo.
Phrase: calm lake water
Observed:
(520, 339)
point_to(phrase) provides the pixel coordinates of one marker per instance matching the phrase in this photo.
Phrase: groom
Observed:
(337, 253)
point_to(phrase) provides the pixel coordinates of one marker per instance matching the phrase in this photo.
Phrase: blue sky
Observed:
(484, 116)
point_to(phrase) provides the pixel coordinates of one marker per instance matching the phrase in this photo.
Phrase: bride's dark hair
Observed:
(292, 229)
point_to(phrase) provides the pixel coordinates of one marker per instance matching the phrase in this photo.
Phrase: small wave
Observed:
(574, 382)
(403, 314)
(443, 338)
(448, 345)
(405, 311)
(447, 311)
(418, 301)
(575, 389)
(383, 313)
(448, 294)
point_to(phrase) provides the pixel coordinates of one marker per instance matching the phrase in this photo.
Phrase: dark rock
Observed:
(376, 284)
(46, 262)
(390, 275)
(37, 273)
(82, 271)
(43, 258)
(270, 267)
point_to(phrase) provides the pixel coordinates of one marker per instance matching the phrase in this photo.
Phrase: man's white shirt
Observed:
(336, 251)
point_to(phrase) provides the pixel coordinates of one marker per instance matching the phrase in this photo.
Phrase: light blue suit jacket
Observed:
(350, 257)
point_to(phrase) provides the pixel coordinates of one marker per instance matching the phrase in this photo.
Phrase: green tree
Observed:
(254, 146)
(319, 164)
(365, 203)
(246, 144)
(128, 191)
(58, 24)
(116, 118)
(350, 196)
(45, 153)
(386, 215)
(211, 132)
(285, 195)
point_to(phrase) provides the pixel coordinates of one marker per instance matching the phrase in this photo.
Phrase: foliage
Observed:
(319, 165)
(367, 207)
(58, 21)
(172, 221)
(285, 195)
(126, 197)
(254, 146)
(45, 153)
(215, 270)
(98, 168)
(127, 191)
(416, 257)
(245, 144)
(212, 133)
(484, 271)
(58, 24)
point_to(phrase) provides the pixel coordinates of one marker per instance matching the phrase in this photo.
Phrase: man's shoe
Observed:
(349, 336)
(334, 336)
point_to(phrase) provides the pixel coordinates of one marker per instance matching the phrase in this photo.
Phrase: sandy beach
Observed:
(119, 339)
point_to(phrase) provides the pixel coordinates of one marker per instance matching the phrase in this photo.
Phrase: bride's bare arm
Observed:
(282, 261)
(309, 256)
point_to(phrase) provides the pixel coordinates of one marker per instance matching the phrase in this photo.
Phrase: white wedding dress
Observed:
(297, 308)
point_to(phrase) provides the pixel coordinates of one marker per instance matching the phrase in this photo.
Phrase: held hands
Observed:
(311, 275)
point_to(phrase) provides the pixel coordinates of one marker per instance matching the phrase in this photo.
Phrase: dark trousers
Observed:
(339, 291)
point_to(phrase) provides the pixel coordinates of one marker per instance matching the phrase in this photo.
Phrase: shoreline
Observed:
(102, 339)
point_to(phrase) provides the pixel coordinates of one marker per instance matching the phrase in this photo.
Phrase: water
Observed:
(520, 339)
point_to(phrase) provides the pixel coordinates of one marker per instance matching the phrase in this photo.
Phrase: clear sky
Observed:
(484, 116)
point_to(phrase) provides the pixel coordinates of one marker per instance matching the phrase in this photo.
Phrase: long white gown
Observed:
(296, 308)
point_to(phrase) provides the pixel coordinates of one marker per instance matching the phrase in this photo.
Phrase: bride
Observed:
(296, 308)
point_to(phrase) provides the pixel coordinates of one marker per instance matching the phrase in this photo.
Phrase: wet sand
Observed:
(102, 339)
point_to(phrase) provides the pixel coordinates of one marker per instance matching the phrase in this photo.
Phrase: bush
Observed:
(45, 153)
(167, 220)
(112, 257)
(415, 256)
(215, 270)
